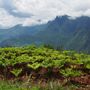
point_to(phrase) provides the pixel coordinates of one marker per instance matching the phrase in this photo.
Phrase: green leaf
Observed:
(34, 66)
(16, 72)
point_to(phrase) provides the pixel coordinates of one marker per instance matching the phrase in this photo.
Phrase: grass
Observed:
(18, 86)
(8, 86)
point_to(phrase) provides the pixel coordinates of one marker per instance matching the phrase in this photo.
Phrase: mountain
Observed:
(18, 35)
(68, 33)
(73, 34)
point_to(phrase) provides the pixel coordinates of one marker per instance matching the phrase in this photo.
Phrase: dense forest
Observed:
(43, 64)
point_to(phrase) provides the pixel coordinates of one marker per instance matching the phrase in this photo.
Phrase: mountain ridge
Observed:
(72, 34)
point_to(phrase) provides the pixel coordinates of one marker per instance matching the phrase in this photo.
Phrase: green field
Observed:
(42, 66)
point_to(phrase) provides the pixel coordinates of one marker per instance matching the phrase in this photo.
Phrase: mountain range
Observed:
(63, 31)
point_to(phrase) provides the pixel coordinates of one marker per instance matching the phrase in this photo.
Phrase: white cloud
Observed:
(87, 13)
(7, 20)
(42, 10)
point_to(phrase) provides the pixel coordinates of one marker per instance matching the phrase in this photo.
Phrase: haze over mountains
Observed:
(73, 34)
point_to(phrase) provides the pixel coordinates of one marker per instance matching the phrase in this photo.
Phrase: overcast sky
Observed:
(32, 12)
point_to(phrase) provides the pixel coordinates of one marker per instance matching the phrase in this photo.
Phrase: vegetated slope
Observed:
(71, 34)
(44, 63)
(61, 32)
(81, 41)
(18, 35)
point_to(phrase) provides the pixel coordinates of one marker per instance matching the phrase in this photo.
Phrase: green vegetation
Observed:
(22, 86)
(16, 72)
(42, 64)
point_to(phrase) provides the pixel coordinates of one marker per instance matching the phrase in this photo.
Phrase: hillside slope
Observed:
(61, 32)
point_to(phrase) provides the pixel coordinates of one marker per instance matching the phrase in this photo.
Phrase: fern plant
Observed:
(34, 65)
(70, 72)
(88, 66)
(16, 72)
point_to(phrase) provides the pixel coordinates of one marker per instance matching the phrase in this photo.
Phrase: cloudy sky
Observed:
(32, 12)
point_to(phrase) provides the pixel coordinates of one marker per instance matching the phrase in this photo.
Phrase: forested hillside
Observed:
(70, 34)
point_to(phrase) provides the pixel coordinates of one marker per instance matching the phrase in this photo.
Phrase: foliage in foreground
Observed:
(42, 62)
